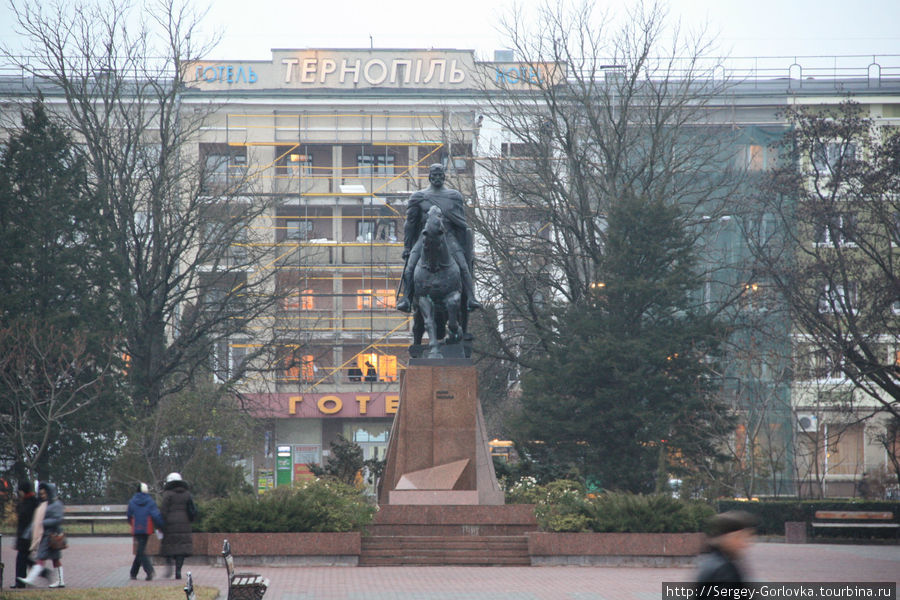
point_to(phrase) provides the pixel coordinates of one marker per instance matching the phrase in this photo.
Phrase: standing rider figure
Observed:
(451, 203)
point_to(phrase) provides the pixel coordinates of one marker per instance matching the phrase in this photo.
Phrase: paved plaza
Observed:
(105, 561)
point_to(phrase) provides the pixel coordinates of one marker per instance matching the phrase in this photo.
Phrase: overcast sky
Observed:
(745, 27)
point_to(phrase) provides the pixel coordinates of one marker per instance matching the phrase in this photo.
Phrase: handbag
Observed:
(58, 541)
(192, 511)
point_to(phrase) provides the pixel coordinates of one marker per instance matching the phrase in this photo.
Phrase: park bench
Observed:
(242, 586)
(855, 519)
(96, 513)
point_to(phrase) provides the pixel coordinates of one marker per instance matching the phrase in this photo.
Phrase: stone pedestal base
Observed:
(795, 532)
(438, 452)
(430, 497)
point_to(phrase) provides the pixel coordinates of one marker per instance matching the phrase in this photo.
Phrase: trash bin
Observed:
(795, 532)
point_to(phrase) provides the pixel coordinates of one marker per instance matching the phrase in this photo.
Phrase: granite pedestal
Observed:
(438, 452)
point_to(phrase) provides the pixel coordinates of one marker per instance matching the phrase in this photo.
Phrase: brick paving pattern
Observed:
(105, 562)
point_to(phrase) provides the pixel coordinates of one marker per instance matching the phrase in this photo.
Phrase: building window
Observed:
(755, 157)
(457, 163)
(385, 165)
(757, 297)
(387, 368)
(827, 156)
(839, 298)
(366, 299)
(300, 369)
(214, 299)
(842, 449)
(363, 299)
(826, 365)
(363, 435)
(297, 229)
(308, 368)
(364, 164)
(238, 356)
(291, 370)
(300, 163)
(381, 165)
(228, 359)
(307, 300)
(365, 231)
(837, 230)
(894, 229)
(290, 161)
(385, 299)
(301, 300)
(222, 168)
(374, 367)
(240, 246)
(220, 361)
(386, 230)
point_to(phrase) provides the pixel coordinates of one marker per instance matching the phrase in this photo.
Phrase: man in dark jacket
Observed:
(143, 515)
(177, 541)
(730, 535)
(24, 514)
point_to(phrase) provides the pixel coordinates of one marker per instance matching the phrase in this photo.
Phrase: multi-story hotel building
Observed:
(340, 138)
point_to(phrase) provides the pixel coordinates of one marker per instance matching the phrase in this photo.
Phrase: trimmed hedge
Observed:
(657, 513)
(321, 505)
(773, 514)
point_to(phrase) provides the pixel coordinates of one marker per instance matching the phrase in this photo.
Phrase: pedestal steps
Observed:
(444, 550)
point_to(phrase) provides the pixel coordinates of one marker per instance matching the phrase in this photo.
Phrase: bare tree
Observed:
(888, 436)
(604, 170)
(760, 446)
(47, 376)
(179, 221)
(834, 200)
(593, 115)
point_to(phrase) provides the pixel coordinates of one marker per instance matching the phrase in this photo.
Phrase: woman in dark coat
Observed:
(28, 502)
(177, 542)
(48, 518)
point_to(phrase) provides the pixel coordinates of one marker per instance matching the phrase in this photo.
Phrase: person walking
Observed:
(47, 521)
(730, 535)
(142, 514)
(28, 503)
(178, 510)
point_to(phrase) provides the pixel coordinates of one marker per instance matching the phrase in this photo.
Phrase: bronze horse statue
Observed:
(438, 287)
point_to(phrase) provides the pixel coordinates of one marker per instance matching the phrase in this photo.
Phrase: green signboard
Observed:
(283, 466)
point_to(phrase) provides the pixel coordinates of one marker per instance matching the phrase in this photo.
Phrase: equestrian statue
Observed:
(437, 278)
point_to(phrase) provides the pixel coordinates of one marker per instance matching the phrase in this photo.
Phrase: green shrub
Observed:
(637, 513)
(321, 505)
(562, 505)
(524, 490)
